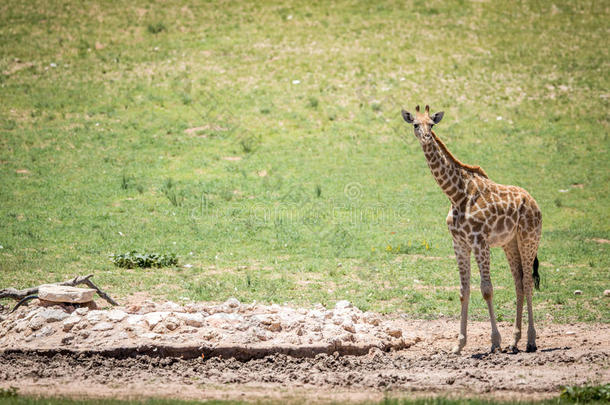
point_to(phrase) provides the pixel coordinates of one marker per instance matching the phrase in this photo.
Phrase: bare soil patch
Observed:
(364, 360)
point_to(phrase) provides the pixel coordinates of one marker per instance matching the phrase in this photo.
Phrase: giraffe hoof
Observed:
(495, 349)
(513, 349)
(456, 349)
(531, 348)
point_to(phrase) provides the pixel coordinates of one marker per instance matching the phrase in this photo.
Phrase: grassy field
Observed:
(262, 143)
(21, 400)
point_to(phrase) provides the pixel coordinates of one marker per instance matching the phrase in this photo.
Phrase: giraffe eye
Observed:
(416, 126)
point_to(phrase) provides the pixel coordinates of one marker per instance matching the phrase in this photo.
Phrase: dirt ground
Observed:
(568, 354)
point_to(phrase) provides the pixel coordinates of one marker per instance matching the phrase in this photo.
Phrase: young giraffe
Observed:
(484, 214)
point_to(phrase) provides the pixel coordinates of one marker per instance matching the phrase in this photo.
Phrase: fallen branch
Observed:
(20, 294)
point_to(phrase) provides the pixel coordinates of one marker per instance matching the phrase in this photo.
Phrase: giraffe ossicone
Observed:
(483, 215)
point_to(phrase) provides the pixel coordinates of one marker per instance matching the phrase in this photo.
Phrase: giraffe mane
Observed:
(470, 168)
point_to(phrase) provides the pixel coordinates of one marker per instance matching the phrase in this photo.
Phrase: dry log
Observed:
(20, 294)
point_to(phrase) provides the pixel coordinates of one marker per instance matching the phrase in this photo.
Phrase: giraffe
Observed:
(484, 214)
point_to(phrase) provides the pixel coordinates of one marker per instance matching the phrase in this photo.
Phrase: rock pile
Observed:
(209, 326)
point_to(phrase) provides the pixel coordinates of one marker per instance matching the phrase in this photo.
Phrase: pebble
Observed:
(577, 292)
(606, 293)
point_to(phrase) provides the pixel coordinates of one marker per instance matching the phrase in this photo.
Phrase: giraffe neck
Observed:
(445, 171)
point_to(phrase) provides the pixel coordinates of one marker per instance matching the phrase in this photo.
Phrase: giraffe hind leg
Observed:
(528, 248)
(514, 260)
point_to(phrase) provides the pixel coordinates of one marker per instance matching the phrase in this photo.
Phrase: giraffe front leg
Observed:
(462, 254)
(481, 253)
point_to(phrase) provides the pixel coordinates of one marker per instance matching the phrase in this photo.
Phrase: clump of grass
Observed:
(155, 28)
(318, 191)
(586, 393)
(9, 392)
(125, 180)
(313, 102)
(249, 143)
(134, 259)
(170, 192)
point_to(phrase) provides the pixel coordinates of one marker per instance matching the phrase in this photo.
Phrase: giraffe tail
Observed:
(536, 275)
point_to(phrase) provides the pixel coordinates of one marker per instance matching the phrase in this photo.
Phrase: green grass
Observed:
(23, 400)
(301, 183)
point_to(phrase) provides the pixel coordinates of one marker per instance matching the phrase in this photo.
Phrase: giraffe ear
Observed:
(437, 117)
(407, 116)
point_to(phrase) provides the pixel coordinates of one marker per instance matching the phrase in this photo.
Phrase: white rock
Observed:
(223, 320)
(103, 326)
(171, 306)
(67, 338)
(69, 323)
(371, 318)
(232, 302)
(394, 332)
(122, 336)
(349, 326)
(269, 322)
(95, 316)
(134, 319)
(153, 318)
(53, 315)
(172, 323)
(46, 331)
(196, 319)
(343, 304)
(23, 324)
(116, 315)
(81, 311)
(606, 293)
(58, 293)
(150, 335)
(315, 313)
(577, 292)
(36, 322)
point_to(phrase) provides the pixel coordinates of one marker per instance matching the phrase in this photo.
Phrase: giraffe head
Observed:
(422, 122)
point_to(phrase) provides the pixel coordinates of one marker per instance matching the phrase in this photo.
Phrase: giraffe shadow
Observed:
(484, 355)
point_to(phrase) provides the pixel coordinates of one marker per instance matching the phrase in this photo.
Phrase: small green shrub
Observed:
(134, 259)
(586, 393)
